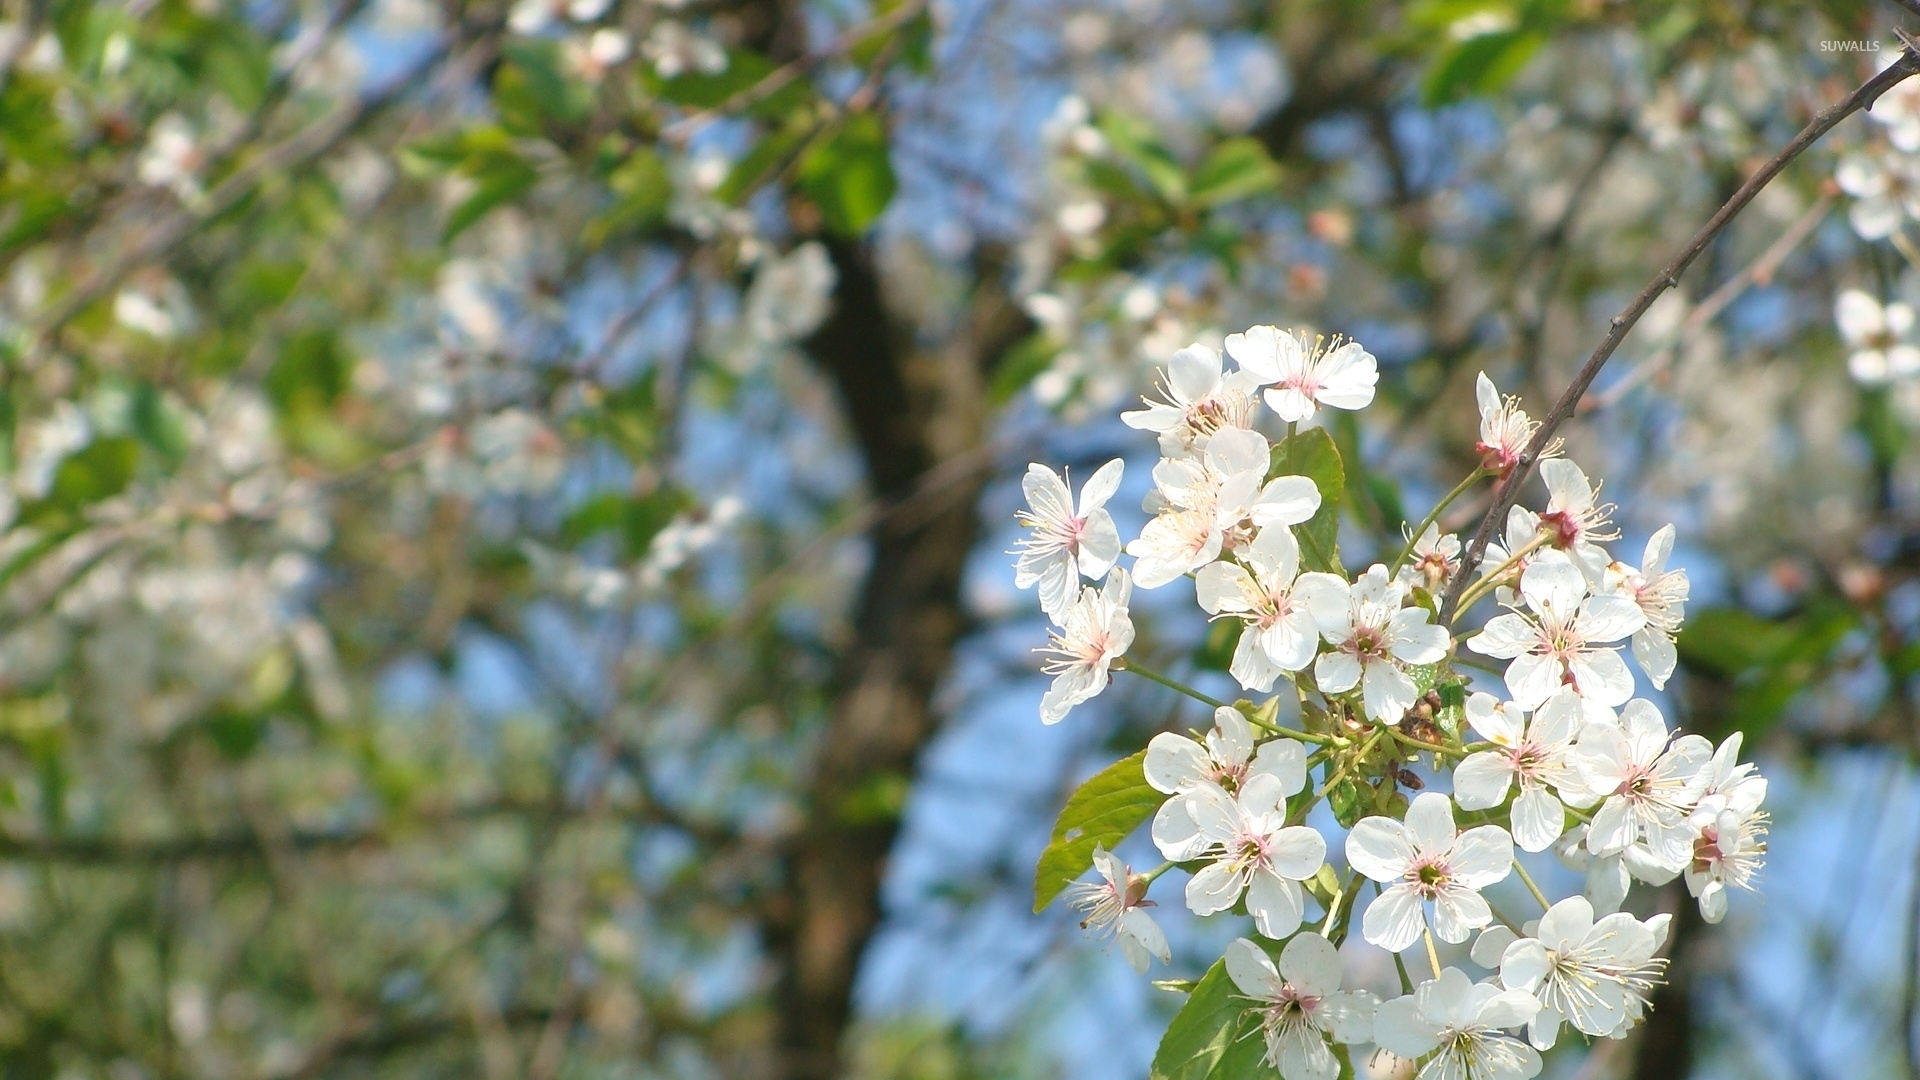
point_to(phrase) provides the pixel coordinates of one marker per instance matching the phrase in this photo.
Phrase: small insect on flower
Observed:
(1114, 907)
(1303, 376)
(1094, 632)
(1301, 1004)
(1425, 859)
(1066, 543)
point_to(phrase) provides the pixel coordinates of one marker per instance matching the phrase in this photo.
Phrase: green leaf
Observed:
(760, 163)
(1348, 800)
(533, 88)
(641, 189)
(1233, 170)
(850, 176)
(1134, 141)
(1022, 364)
(1311, 454)
(501, 179)
(1106, 808)
(1210, 1038)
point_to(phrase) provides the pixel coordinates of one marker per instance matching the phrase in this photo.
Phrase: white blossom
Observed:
(1563, 642)
(1067, 542)
(1661, 595)
(1227, 757)
(1251, 849)
(1595, 975)
(1198, 400)
(1505, 429)
(1094, 632)
(1730, 842)
(1267, 592)
(1886, 191)
(1204, 504)
(1301, 1004)
(1575, 521)
(1899, 111)
(1435, 559)
(1879, 338)
(1425, 859)
(1535, 756)
(1648, 780)
(1465, 1022)
(1115, 905)
(1305, 376)
(1373, 638)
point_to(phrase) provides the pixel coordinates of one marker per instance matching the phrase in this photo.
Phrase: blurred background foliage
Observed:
(501, 563)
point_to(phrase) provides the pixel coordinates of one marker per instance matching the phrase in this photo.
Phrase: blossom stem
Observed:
(1342, 908)
(1421, 744)
(1154, 873)
(1460, 489)
(1482, 665)
(1527, 879)
(1406, 981)
(1153, 676)
(1491, 580)
(1340, 773)
(1433, 954)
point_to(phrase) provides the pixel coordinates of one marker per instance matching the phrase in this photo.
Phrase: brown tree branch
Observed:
(1907, 65)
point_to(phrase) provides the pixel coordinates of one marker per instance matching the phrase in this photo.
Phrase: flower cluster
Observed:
(1566, 760)
(1883, 181)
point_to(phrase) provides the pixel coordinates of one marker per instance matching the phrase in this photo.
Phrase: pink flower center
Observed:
(1565, 528)
(1428, 876)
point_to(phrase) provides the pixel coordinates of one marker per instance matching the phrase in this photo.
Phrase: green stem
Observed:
(1482, 665)
(1433, 954)
(1531, 887)
(1460, 489)
(1153, 676)
(1153, 874)
(1491, 579)
(1340, 773)
(1422, 744)
(1406, 982)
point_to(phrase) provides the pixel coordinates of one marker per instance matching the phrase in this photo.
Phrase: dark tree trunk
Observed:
(1664, 1050)
(920, 418)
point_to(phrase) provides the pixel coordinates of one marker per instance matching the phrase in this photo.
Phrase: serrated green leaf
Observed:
(1210, 1038)
(1103, 812)
(1311, 454)
(850, 176)
(1235, 169)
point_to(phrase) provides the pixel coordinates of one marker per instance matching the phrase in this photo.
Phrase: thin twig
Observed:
(778, 79)
(1760, 272)
(1868, 92)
